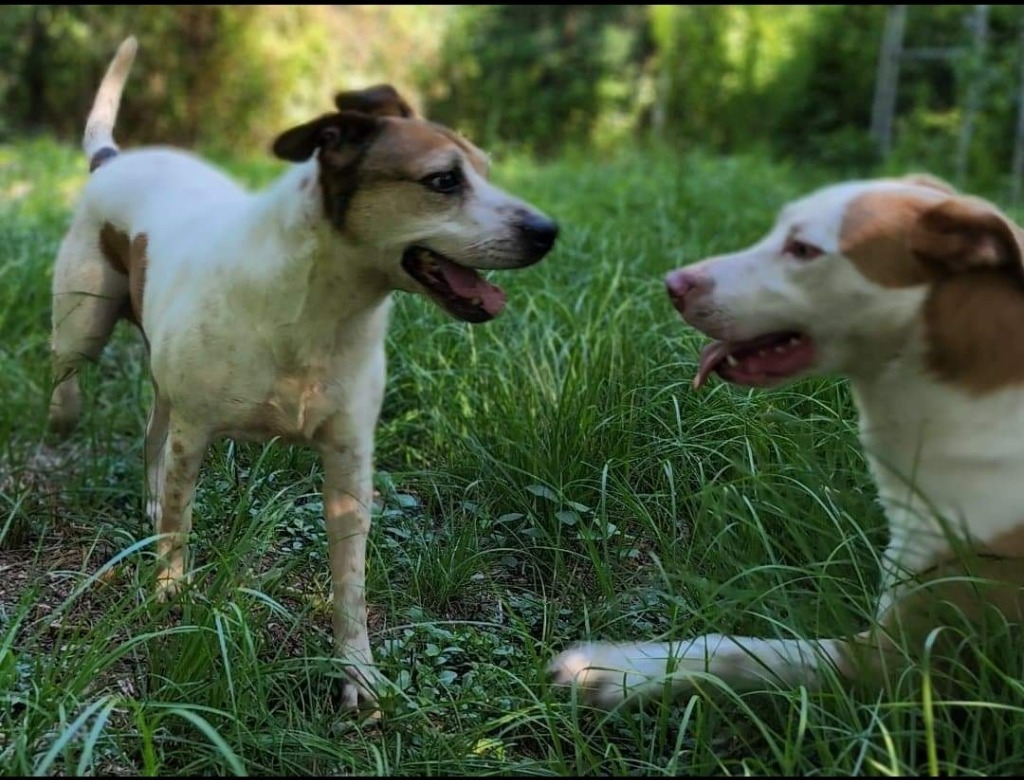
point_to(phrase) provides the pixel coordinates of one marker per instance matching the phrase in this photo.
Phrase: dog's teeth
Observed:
(731, 360)
(762, 352)
(476, 301)
(780, 349)
(795, 340)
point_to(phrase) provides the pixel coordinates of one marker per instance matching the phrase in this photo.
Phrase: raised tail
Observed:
(98, 140)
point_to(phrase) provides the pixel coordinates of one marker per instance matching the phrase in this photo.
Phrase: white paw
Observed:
(359, 688)
(608, 673)
(169, 586)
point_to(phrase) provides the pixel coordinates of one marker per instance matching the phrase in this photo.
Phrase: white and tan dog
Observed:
(916, 293)
(264, 314)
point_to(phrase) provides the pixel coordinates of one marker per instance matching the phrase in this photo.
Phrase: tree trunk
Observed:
(975, 76)
(887, 79)
(1018, 141)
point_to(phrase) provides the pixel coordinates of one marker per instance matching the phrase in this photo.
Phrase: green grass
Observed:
(543, 478)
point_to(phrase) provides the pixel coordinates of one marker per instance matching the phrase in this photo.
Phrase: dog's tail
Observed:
(98, 140)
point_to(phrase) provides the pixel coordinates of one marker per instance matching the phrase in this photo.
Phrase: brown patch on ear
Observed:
(962, 233)
(127, 257)
(378, 100)
(973, 327)
(343, 140)
(342, 136)
(873, 237)
(975, 313)
(927, 180)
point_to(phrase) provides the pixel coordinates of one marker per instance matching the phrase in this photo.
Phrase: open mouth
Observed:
(459, 290)
(765, 361)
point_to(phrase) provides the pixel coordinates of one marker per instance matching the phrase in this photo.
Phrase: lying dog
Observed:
(916, 293)
(265, 314)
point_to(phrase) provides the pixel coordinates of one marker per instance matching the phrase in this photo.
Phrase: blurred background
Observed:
(845, 87)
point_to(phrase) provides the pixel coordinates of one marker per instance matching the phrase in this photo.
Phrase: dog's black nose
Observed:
(540, 232)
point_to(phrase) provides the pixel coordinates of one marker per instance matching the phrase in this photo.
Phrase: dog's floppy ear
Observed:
(927, 180)
(378, 100)
(342, 135)
(963, 233)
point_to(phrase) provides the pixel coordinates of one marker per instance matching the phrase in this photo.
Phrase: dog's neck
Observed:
(313, 282)
(937, 450)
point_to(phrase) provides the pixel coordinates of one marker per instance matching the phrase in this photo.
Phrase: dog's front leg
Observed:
(184, 448)
(347, 497)
(609, 673)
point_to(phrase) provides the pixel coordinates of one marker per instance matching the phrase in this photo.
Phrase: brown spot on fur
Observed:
(177, 447)
(975, 312)
(971, 256)
(964, 233)
(974, 323)
(127, 257)
(101, 156)
(378, 100)
(874, 238)
(973, 595)
(400, 154)
(356, 147)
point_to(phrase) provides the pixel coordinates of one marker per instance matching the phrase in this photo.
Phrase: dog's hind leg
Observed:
(156, 440)
(89, 296)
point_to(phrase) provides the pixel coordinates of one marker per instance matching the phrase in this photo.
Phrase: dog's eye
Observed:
(801, 251)
(445, 182)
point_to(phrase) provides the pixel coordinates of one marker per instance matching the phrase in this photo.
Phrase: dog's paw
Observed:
(359, 689)
(169, 587)
(606, 674)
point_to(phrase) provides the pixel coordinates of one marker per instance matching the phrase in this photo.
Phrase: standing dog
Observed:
(916, 293)
(265, 314)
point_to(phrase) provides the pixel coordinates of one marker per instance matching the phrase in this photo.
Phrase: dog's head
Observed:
(861, 274)
(418, 194)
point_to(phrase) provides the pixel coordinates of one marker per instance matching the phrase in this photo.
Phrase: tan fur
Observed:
(975, 327)
(970, 255)
(873, 237)
(953, 609)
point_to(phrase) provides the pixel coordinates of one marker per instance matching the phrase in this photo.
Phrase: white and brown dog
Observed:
(264, 314)
(916, 293)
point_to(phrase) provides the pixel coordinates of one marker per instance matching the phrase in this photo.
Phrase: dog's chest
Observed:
(312, 406)
(939, 457)
(296, 407)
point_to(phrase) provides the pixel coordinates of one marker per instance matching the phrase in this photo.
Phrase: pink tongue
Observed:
(713, 354)
(760, 362)
(467, 283)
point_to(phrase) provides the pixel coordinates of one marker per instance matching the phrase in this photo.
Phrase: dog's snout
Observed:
(539, 232)
(683, 283)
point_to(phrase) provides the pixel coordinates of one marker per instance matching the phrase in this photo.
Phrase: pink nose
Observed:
(683, 284)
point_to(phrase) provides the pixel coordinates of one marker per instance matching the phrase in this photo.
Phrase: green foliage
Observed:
(224, 76)
(791, 81)
(532, 75)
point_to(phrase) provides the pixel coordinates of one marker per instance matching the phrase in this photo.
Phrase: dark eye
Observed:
(445, 182)
(801, 250)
